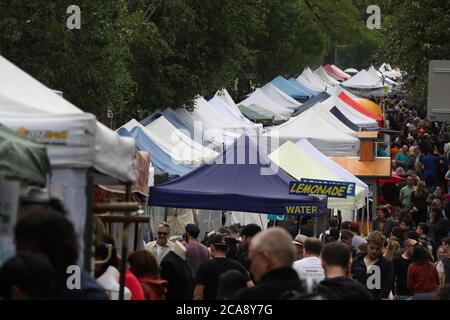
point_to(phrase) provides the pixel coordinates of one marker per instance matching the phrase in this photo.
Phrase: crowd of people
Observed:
(406, 256)
(243, 263)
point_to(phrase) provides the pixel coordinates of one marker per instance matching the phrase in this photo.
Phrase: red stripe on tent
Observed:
(335, 73)
(355, 105)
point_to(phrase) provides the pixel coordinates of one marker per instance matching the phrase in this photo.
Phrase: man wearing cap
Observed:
(162, 246)
(299, 243)
(208, 273)
(401, 264)
(196, 253)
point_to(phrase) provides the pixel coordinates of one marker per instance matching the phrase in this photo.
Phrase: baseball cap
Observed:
(217, 240)
(300, 239)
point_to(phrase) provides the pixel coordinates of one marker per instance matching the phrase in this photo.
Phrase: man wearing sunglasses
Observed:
(162, 245)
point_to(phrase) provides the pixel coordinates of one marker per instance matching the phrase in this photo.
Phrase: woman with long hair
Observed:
(422, 273)
(144, 266)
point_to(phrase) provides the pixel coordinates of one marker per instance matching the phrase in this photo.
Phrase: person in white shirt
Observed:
(311, 265)
(162, 246)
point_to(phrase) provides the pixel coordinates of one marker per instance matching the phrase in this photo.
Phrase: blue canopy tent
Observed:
(296, 93)
(160, 159)
(311, 102)
(299, 86)
(240, 179)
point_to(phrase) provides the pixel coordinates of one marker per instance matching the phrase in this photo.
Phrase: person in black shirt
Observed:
(247, 233)
(336, 262)
(401, 264)
(208, 274)
(364, 268)
(272, 255)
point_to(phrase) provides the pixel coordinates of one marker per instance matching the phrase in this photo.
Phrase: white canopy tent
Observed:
(260, 99)
(209, 124)
(374, 72)
(351, 71)
(323, 75)
(365, 83)
(74, 138)
(314, 80)
(389, 72)
(325, 113)
(75, 142)
(353, 115)
(221, 106)
(304, 82)
(181, 148)
(321, 133)
(279, 96)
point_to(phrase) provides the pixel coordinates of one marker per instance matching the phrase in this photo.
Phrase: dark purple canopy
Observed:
(236, 180)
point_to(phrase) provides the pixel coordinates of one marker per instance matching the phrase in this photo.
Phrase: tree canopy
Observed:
(134, 56)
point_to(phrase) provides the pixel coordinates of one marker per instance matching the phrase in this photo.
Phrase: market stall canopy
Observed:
(22, 159)
(240, 179)
(351, 71)
(161, 160)
(306, 83)
(370, 106)
(374, 72)
(294, 92)
(257, 117)
(336, 73)
(311, 102)
(260, 99)
(280, 97)
(356, 117)
(208, 124)
(312, 78)
(323, 75)
(73, 138)
(336, 169)
(365, 84)
(181, 148)
(301, 165)
(229, 112)
(355, 105)
(299, 86)
(322, 134)
(337, 119)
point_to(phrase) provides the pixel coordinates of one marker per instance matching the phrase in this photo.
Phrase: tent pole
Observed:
(260, 219)
(123, 262)
(368, 216)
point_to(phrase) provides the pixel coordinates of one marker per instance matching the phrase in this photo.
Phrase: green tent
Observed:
(22, 159)
(255, 116)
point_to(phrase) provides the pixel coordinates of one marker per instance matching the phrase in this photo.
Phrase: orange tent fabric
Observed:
(370, 106)
(355, 105)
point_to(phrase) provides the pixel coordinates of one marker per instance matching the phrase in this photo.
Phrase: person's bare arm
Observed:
(198, 291)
